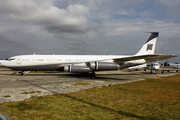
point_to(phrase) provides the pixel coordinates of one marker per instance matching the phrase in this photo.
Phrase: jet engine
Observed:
(95, 66)
(76, 69)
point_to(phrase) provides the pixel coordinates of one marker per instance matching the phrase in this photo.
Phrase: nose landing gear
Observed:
(20, 73)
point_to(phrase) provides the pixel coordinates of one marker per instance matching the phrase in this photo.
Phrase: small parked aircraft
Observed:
(157, 67)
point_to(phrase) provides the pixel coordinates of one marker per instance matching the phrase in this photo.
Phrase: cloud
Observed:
(10, 45)
(172, 7)
(146, 13)
(170, 3)
(124, 27)
(55, 20)
(126, 12)
(3, 50)
(171, 43)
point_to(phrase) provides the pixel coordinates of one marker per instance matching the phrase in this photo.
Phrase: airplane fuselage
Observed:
(56, 62)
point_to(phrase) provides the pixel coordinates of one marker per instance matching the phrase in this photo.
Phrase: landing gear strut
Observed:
(93, 74)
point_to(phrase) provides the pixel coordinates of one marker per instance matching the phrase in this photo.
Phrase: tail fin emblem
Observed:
(149, 47)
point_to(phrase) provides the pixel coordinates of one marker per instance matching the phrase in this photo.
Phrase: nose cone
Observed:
(3, 63)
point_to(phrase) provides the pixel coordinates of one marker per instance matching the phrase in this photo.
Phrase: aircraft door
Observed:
(19, 61)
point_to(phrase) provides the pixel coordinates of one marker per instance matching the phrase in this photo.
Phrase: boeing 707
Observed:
(86, 64)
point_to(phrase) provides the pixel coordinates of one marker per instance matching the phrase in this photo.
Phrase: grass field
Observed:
(151, 99)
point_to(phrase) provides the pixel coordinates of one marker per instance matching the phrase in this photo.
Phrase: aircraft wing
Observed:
(147, 58)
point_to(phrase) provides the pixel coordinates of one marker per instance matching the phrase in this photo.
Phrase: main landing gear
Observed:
(20, 73)
(91, 74)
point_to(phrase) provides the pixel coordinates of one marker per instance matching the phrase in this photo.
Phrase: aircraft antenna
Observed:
(84, 48)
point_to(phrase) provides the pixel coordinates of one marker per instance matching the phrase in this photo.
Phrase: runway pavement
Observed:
(16, 88)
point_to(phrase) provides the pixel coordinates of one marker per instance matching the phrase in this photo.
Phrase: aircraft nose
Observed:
(3, 64)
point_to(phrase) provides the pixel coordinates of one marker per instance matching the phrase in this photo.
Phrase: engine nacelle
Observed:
(95, 66)
(76, 69)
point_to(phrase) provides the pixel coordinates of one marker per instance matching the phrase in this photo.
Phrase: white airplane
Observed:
(1, 61)
(86, 64)
(171, 67)
(143, 66)
(155, 67)
(174, 65)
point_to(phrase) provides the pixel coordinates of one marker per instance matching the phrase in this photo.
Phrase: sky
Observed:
(91, 27)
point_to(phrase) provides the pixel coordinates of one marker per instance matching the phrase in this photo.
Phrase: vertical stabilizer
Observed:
(149, 45)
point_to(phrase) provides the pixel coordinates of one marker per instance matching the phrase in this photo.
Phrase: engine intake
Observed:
(95, 66)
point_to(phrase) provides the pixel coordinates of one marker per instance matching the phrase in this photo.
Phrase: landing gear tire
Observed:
(20, 73)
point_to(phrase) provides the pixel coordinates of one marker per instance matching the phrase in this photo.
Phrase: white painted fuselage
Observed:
(55, 62)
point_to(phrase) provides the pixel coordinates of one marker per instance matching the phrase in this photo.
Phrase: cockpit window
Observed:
(10, 59)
